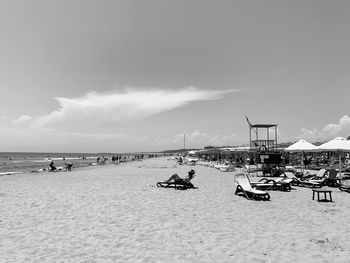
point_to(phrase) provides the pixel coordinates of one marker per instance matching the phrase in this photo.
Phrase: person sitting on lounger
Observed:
(177, 179)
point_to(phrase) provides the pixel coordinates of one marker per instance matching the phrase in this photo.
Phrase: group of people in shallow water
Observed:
(53, 168)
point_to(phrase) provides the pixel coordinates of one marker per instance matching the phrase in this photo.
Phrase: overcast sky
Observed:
(119, 76)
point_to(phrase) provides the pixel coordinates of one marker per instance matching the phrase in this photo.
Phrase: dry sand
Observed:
(116, 214)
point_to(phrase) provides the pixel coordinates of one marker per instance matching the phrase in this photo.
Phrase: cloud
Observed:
(22, 120)
(330, 131)
(107, 109)
(101, 121)
(340, 129)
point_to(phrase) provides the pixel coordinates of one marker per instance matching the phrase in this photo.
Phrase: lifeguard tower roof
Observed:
(263, 125)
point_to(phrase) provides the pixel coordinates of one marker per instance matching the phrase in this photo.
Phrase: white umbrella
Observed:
(301, 146)
(338, 144)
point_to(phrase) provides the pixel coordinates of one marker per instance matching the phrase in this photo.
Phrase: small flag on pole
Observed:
(250, 124)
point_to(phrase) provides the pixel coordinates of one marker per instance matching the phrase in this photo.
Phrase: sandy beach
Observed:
(115, 213)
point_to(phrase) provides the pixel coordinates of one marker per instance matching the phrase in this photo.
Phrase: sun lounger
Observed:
(305, 183)
(281, 184)
(332, 179)
(244, 187)
(264, 184)
(179, 185)
(226, 168)
(344, 185)
(318, 176)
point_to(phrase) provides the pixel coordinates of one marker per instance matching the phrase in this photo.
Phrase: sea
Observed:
(21, 162)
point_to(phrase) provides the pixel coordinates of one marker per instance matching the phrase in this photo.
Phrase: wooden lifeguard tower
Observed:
(263, 143)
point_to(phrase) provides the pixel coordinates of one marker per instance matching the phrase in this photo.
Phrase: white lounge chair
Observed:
(243, 186)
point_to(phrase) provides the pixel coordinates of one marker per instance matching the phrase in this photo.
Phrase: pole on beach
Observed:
(302, 163)
(339, 163)
(184, 141)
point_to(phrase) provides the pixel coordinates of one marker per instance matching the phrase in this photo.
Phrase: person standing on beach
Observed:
(69, 166)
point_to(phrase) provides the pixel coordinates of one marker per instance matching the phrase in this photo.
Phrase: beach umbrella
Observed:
(339, 145)
(301, 146)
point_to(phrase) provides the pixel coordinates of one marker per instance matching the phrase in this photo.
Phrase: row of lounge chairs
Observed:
(221, 166)
(257, 190)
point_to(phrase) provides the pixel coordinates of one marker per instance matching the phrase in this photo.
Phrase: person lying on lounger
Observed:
(177, 179)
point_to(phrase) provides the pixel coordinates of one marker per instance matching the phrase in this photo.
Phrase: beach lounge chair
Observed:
(304, 183)
(244, 187)
(263, 184)
(344, 185)
(178, 185)
(281, 184)
(226, 168)
(330, 179)
(320, 175)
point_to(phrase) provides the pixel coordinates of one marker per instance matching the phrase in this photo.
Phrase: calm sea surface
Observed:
(18, 162)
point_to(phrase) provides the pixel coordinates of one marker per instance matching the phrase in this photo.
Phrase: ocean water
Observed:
(19, 162)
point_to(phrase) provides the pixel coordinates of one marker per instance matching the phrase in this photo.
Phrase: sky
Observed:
(128, 76)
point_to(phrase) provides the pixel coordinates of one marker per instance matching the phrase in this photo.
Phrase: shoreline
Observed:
(39, 164)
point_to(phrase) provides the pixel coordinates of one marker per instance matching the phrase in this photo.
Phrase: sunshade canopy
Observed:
(337, 144)
(301, 146)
